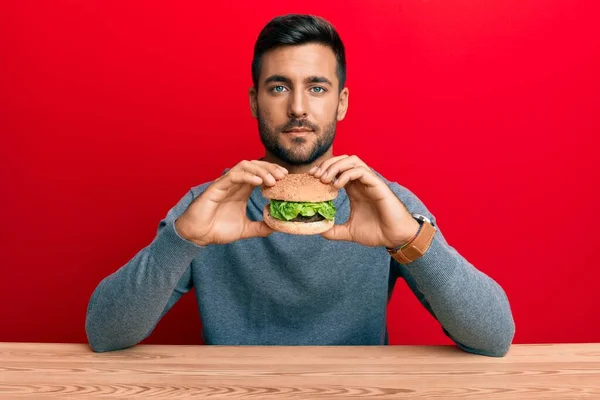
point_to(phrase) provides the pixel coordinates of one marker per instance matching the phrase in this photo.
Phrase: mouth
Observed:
(298, 130)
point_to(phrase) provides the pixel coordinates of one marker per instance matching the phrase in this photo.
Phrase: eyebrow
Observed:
(278, 78)
(288, 81)
(318, 79)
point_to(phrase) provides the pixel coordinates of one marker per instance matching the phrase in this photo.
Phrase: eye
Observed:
(318, 89)
(278, 89)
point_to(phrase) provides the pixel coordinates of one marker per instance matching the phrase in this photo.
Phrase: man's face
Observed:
(298, 102)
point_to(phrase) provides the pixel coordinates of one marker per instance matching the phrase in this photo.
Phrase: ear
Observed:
(343, 104)
(252, 94)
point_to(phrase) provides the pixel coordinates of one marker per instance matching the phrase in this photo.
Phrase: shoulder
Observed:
(192, 194)
(410, 200)
(196, 191)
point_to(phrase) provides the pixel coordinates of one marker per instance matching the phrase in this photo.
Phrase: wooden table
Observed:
(72, 371)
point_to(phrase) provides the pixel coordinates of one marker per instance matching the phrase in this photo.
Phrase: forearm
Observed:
(127, 304)
(471, 307)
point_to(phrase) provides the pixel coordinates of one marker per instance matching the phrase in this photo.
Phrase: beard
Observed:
(296, 154)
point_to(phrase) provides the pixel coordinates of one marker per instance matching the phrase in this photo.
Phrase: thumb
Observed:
(338, 232)
(257, 229)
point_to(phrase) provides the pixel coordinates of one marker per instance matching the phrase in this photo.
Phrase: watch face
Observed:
(421, 218)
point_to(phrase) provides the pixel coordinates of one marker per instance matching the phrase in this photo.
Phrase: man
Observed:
(259, 287)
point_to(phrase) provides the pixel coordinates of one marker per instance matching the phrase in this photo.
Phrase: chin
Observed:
(294, 156)
(297, 159)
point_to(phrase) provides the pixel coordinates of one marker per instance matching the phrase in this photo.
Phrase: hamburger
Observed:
(300, 204)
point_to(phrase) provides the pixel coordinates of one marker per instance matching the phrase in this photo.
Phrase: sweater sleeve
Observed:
(126, 306)
(471, 307)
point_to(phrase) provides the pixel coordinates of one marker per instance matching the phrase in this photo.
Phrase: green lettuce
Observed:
(288, 210)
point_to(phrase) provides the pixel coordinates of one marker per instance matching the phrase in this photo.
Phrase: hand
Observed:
(377, 216)
(218, 216)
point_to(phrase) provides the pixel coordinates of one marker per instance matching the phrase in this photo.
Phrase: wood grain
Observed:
(72, 371)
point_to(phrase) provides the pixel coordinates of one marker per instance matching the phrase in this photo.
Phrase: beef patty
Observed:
(315, 218)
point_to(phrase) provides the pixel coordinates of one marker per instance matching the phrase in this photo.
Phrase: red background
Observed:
(487, 110)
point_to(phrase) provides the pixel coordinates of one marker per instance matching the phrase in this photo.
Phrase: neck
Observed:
(297, 169)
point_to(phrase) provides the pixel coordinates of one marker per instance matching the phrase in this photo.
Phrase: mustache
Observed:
(299, 123)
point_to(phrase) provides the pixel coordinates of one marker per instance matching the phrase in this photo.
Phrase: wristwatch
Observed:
(418, 245)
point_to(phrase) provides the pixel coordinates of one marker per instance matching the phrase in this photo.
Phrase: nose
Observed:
(297, 106)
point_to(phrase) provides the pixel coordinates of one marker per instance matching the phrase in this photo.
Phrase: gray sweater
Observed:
(295, 290)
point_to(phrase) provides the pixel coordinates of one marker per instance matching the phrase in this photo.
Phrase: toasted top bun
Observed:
(300, 187)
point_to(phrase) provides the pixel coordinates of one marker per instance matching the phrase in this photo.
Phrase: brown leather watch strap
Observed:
(417, 247)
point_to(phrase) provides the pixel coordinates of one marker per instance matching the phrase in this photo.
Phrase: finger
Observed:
(321, 168)
(259, 170)
(256, 229)
(266, 163)
(245, 177)
(340, 166)
(233, 177)
(363, 174)
(338, 232)
(276, 170)
(269, 172)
